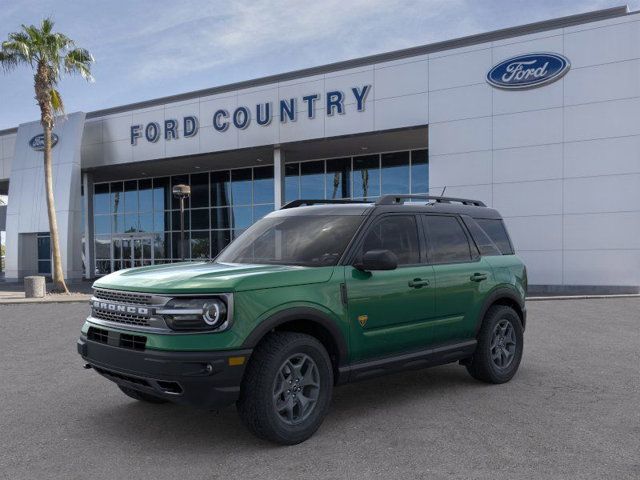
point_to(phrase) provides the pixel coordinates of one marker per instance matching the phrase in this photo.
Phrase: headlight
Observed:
(195, 314)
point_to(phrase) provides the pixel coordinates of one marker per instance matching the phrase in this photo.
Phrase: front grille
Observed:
(119, 376)
(120, 317)
(123, 297)
(134, 342)
(98, 335)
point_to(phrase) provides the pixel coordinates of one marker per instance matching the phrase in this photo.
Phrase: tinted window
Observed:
(397, 234)
(447, 241)
(314, 240)
(497, 232)
(484, 243)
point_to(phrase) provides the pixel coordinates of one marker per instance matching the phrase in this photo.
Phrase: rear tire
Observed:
(287, 387)
(141, 396)
(500, 345)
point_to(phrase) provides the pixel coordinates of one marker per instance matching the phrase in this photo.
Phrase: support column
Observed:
(89, 256)
(278, 177)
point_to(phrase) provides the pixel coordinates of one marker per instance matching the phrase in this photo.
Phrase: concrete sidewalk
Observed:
(13, 293)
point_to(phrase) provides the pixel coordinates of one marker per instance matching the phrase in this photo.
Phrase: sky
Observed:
(150, 49)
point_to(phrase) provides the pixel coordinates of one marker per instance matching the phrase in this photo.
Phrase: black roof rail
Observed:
(300, 203)
(399, 199)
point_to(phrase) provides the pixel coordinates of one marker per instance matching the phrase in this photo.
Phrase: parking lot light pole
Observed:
(181, 192)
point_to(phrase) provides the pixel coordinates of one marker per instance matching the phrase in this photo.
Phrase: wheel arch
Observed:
(305, 320)
(507, 297)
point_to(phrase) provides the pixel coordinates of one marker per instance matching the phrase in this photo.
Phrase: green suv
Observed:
(317, 294)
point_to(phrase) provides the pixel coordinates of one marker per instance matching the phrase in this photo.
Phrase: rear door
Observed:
(462, 277)
(389, 311)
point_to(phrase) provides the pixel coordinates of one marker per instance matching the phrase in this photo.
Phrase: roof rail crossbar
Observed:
(399, 199)
(301, 202)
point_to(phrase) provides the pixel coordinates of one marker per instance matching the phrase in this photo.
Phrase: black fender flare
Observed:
(497, 295)
(300, 313)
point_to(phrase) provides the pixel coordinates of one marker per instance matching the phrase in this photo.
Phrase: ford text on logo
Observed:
(287, 110)
(37, 142)
(528, 71)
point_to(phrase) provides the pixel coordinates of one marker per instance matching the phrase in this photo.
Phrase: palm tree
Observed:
(48, 54)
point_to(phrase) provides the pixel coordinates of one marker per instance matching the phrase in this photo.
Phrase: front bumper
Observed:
(199, 379)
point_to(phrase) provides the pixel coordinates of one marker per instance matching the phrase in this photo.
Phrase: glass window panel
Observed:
(161, 194)
(398, 234)
(146, 222)
(161, 221)
(44, 247)
(420, 171)
(44, 267)
(199, 190)
(237, 232)
(175, 245)
(241, 186)
(200, 245)
(263, 185)
(102, 224)
(131, 196)
(312, 180)
(131, 223)
(161, 242)
(291, 181)
(103, 267)
(200, 219)
(117, 190)
(118, 223)
(338, 179)
(179, 180)
(366, 176)
(101, 198)
(175, 220)
(103, 247)
(242, 217)
(395, 172)
(219, 240)
(220, 189)
(446, 239)
(260, 211)
(220, 218)
(145, 195)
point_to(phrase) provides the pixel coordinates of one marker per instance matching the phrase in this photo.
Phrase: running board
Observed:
(431, 357)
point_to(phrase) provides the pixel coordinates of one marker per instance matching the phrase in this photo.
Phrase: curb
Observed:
(21, 301)
(581, 297)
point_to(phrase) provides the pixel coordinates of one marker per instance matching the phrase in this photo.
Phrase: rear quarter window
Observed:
(497, 232)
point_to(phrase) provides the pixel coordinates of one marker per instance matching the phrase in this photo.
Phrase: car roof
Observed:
(390, 203)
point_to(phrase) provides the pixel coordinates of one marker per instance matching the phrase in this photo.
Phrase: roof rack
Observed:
(300, 203)
(399, 199)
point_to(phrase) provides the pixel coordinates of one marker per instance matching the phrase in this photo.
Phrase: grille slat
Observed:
(125, 318)
(123, 297)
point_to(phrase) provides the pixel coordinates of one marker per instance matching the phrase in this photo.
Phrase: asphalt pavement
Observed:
(572, 411)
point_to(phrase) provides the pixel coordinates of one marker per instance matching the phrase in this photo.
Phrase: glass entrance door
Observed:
(130, 251)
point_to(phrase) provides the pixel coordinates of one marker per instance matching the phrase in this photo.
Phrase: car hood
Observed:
(208, 277)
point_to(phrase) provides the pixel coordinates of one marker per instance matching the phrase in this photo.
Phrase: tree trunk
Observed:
(58, 276)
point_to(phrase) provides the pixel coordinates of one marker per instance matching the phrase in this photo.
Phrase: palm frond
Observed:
(56, 101)
(79, 60)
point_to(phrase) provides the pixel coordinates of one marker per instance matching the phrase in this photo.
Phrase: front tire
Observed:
(287, 387)
(141, 396)
(500, 345)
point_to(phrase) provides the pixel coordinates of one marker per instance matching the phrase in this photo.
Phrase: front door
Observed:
(462, 278)
(130, 251)
(389, 311)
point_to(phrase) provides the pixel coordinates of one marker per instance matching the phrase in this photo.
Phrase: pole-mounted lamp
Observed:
(181, 192)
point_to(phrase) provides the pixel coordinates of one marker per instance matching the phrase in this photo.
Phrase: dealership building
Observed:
(541, 121)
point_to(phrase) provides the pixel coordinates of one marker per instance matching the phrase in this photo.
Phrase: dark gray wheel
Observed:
(141, 396)
(500, 345)
(286, 389)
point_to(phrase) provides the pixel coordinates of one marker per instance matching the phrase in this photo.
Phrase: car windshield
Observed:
(306, 240)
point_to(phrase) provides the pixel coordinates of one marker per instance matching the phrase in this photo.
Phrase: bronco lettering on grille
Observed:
(117, 308)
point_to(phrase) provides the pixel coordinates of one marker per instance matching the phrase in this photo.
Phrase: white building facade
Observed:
(540, 121)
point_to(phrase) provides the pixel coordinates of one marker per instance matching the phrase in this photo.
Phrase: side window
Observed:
(494, 227)
(446, 239)
(484, 243)
(397, 233)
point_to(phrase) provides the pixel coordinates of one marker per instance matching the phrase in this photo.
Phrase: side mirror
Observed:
(377, 260)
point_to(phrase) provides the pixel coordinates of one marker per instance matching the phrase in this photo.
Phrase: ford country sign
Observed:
(528, 71)
(37, 142)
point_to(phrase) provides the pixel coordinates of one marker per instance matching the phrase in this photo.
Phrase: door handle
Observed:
(418, 282)
(478, 277)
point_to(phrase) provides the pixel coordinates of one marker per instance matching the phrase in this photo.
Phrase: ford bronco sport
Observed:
(316, 294)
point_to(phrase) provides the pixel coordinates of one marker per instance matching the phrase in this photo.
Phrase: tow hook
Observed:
(87, 366)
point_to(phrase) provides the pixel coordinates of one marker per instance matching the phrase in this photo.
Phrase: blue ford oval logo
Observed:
(528, 71)
(37, 142)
